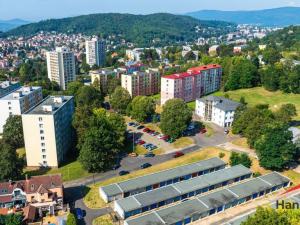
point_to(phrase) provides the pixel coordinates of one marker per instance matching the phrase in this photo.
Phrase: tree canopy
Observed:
(13, 132)
(142, 107)
(120, 100)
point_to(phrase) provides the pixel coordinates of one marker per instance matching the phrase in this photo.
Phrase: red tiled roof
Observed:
(5, 198)
(192, 71)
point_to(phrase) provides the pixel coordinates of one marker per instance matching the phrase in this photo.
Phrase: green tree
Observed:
(10, 165)
(71, 219)
(120, 100)
(270, 77)
(275, 148)
(112, 84)
(24, 73)
(175, 118)
(11, 219)
(286, 113)
(73, 88)
(271, 55)
(142, 107)
(237, 159)
(88, 95)
(13, 132)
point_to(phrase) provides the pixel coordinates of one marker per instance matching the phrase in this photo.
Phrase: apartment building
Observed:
(48, 133)
(218, 110)
(18, 102)
(142, 83)
(95, 52)
(7, 87)
(43, 192)
(193, 84)
(61, 66)
(101, 77)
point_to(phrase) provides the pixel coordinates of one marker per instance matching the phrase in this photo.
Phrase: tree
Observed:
(142, 107)
(88, 95)
(11, 219)
(175, 118)
(13, 132)
(275, 148)
(112, 84)
(271, 55)
(71, 219)
(73, 88)
(120, 100)
(286, 113)
(10, 165)
(102, 143)
(237, 159)
(270, 77)
(267, 216)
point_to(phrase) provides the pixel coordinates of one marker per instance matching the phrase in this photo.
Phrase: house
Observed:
(218, 110)
(42, 192)
(296, 134)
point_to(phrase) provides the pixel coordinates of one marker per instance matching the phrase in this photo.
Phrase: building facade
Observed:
(61, 66)
(95, 52)
(218, 110)
(142, 83)
(48, 133)
(7, 87)
(192, 84)
(18, 102)
(43, 192)
(101, 77)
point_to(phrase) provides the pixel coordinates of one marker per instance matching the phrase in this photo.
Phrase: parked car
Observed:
(141, 142)
(160, 136)
(137, 141)
(152, 147)
(133, 154)
(131, 124)
(146, 129)
(146, 165)
(203, 131)
(149, 155)
(226, 131)
(140, 127)
(123, 172)
(178, 154)
(165, 137)
(79, 213)
(146, 145)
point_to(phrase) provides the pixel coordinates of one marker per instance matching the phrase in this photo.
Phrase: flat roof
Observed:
(204, 203)
(221, 102)
(50, 101)
(168, 192)
(147, 180)
(24, 91)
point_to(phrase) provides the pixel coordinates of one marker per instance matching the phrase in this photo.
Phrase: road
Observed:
(75, 189)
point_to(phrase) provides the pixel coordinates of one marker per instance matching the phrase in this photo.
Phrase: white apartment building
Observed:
(7, 87)
(95, 52)
(48, 131)
(141, 83)
(218, 110)
(193, 84)
(101, 77)
(18, 102)
(61, 66)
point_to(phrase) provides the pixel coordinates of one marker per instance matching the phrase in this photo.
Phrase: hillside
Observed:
(269, 17)
(141, 29)
(6, 25)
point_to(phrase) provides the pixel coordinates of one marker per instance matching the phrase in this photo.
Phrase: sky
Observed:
(34, 10)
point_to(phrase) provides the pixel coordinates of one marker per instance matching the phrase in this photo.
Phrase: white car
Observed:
(160, 136)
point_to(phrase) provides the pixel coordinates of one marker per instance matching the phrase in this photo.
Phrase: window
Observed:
(9, 108)
(41, 125)
(42, 138)
(43, 150)
(40, 119)
(41, 131)
(44, 156)
(9, 103)
(43, 144)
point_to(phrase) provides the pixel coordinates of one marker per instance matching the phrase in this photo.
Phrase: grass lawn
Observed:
(183, 142)
(70, 171)
(140, 150)
(192, 105)
(209, 130)
(259, 95)
(93, 200)
(103, 220)
(294, 176)
(242, 142)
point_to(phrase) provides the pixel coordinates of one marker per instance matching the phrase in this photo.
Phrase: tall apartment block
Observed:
(95, 52)
(48, 131)
(101, 77)
(142, 83)
(192, 84)
(7, 87)
(61, 66)
(18, 102)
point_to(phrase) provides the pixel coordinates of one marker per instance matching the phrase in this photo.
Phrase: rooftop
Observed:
(20, 93)
(147, 180)
(221, 103)
(50, 105)
(193, 71)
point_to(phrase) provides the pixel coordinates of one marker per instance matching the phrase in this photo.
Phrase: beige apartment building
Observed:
(48, 131)
(61, 66)
(101, 77)
(142, 83)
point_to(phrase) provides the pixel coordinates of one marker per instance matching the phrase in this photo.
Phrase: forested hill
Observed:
(135, 28)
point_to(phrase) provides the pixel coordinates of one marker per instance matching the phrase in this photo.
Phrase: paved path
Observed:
(235, 148)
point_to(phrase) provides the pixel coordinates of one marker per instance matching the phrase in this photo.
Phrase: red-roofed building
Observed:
(194, 83)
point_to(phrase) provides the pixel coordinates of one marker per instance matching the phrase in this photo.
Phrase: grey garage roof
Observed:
(184, 187)
(144, 181)
(203, 204)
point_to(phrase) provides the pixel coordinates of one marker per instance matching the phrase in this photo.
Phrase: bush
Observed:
(221, 155)
(71, 219)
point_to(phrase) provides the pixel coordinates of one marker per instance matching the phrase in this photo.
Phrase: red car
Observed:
(178, 154)
(146, 130)
(203, 131)
(141, 142)
(166, 137)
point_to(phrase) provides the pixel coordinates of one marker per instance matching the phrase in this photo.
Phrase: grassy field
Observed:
(242, 142)
(192, 105)
(259, 95)
(103, 220)
(183, 142)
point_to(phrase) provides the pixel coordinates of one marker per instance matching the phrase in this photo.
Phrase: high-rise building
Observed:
(48, 131)
(95, 52)
(101, 77)
(7, 87)
(61, 66)
(142, 83)
(18, 102)
(192, 84)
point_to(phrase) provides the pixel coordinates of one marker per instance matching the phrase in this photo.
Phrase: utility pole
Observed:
(133, 141)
